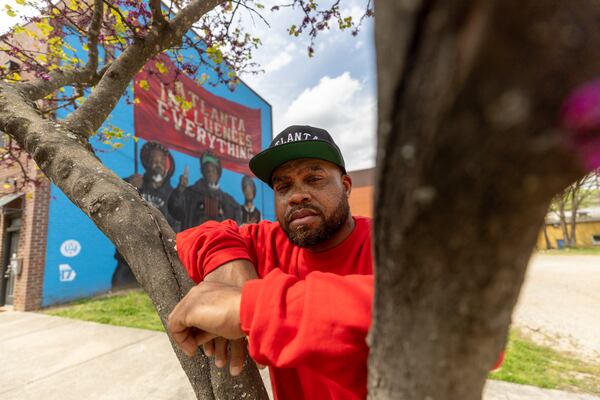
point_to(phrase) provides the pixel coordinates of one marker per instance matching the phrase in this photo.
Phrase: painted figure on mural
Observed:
(250, 214)
(204, 200)
(155, 187)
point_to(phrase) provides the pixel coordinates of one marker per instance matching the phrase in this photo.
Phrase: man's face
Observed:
(211, 173)
(157, 163)
(311, 200)
(248, 192)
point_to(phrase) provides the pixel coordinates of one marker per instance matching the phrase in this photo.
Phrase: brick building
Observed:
(23, 215)
(23, 232)
(361, 198)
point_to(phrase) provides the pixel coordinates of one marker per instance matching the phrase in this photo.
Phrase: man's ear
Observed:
(347, 182)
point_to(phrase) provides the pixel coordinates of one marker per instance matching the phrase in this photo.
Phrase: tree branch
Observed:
(118, 11)
(186, 18)
(40, 88)
(64, 14)
(158, 19)
(92, 36)
(93, 112)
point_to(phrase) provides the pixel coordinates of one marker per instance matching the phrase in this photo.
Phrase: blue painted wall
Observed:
(79, 258)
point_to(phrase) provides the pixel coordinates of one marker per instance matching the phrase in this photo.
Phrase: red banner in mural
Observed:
(174, 110)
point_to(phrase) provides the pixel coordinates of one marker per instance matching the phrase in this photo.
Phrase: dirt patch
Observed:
(559, 304)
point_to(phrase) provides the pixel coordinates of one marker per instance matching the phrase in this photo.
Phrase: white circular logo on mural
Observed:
(70, 248)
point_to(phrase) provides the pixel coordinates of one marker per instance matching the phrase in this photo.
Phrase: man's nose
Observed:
(299, 197)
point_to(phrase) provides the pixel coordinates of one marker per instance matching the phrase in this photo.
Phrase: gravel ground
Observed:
(559, 304)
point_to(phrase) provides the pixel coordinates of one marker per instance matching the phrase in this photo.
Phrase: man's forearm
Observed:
(235, 273)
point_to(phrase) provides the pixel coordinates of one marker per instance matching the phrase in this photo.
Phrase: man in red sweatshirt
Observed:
(308, 315)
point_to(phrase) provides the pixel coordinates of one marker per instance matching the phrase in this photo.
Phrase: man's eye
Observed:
(282, 188)
(314, 179)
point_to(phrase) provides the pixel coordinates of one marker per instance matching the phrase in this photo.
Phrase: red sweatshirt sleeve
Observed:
(320, 322)
(204, 248)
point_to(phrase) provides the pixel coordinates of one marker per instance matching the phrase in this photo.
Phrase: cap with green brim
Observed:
(294, 142)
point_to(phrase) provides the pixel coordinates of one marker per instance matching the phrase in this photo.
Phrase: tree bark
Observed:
(469, 157)
(139, 231)
(546, 238)
(563, 223)
(574, 211)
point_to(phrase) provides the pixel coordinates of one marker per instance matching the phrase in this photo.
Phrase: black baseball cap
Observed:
(294, 142)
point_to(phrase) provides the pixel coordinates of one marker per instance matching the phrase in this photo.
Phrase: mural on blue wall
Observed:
(190, 162)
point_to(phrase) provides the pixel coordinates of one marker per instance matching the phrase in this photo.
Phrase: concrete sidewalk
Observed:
(45, 357)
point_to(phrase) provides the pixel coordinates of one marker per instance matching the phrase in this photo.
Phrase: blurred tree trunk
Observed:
(546, 238)
(563, 223)
(470, 154)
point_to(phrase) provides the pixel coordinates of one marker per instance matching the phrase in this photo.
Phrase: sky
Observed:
(334, 90)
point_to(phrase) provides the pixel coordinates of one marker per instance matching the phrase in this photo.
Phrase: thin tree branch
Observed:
(158, 19)
(252, 11)
(22, 52)
(64, 14)
(118, 11)
(39, 88)
(92, 36)
(187, 17)
(65, 104)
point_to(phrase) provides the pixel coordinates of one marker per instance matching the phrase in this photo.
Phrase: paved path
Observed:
(560, 303)
(51, 358)
(44, 357)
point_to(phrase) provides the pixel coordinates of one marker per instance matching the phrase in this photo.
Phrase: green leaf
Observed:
(9, 11)
(161, 67)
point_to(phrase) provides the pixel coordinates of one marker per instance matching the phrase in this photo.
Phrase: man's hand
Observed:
(236, 273)
(183, 183)
(136, 181)
(208, 310)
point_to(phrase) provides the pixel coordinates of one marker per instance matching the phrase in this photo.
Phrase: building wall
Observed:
(361, 197)
(34, 216)
(49, 219)
(32, 235)
(80, 260)
(28, 287)
(361, 201)
(585, 231)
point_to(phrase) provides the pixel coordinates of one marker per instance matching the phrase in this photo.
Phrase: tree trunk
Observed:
(546, 238)
(139, 231)
(469, 158)
(574, 210)
(563, 224)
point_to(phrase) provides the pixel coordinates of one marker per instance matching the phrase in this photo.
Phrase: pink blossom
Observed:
(580, 116)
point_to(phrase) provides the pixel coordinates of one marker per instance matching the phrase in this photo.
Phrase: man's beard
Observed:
(157, 178)
(303, 236)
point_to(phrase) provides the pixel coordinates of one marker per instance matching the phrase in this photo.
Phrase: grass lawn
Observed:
(588, 251)
(526, 362)
(532, 364)
(132, 308)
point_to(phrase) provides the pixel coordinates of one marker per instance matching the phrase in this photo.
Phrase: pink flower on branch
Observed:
(580, 116)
